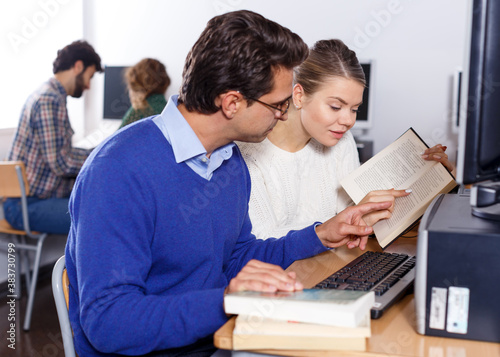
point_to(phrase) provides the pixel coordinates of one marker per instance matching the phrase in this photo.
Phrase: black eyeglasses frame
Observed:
(278, 108)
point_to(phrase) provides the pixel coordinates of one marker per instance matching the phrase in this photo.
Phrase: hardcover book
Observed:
(318, 306)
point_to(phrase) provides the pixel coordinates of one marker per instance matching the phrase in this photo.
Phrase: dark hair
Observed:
(76, 51)
(238, 50)
(327, 59)
(147, 77)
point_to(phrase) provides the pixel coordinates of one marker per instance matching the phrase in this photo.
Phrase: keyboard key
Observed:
(355, 280)
(343, 278)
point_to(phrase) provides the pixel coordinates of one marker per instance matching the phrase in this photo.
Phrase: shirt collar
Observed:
(58, 86)
(177, 131)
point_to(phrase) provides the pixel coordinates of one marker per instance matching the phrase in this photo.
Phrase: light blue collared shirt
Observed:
(186, 145)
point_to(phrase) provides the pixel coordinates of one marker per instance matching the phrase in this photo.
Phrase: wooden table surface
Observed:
(394, 334)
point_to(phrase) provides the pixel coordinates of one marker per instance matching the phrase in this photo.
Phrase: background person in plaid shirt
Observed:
(43, 142)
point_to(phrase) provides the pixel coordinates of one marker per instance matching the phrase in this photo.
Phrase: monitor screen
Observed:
(363, 118)
(479, 135)
(116, 99)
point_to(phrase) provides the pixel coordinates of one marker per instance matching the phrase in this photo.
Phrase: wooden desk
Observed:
(394, 333)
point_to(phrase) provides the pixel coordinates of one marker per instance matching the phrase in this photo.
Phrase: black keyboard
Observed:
(388, 275)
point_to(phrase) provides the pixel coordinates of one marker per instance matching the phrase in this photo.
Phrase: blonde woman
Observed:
(296, 171)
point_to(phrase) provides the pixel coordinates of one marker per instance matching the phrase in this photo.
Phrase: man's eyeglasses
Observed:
(282, 107)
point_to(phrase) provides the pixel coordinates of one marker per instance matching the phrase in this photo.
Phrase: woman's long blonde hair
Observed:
(327, 59)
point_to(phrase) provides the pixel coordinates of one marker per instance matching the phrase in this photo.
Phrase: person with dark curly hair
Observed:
(43, 142)
(160, 227)
(147, 82)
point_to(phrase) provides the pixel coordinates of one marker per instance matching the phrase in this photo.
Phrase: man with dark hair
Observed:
(43, 142)
(150, 256)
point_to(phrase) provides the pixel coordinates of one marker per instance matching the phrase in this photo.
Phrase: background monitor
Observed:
(363, 118)
(457, 94)
(479, 136)
(116, 100)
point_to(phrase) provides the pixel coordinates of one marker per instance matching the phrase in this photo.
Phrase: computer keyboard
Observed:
(389, 275)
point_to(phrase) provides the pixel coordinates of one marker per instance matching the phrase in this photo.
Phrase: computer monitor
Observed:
(363, 118)
(479, 133)
(456, 105)
(116, 99)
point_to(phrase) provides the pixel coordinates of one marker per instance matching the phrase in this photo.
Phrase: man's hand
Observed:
(348, 226)
(265, 277)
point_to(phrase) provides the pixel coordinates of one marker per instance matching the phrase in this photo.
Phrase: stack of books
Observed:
(312, 319)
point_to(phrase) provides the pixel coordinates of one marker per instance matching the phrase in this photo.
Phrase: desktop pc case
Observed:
(457, 283)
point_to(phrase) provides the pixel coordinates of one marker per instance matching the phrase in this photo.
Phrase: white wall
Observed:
(6, 136)
(31, 33)
(415, 46)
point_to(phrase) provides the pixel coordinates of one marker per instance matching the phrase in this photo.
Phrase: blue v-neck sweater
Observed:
(153, 245)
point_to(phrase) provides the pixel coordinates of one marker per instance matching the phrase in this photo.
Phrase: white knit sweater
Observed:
(294, 190)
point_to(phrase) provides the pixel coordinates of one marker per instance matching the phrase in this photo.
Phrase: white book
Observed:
(316, 306)
(400, 166)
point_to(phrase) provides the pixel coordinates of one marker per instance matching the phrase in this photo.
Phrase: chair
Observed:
(14, 184)
(60, 289)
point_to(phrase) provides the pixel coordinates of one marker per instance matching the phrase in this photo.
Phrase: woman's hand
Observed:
(382, 196)
(437, 153)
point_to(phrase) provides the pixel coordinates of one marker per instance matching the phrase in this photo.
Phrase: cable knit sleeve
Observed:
(261, 210)
(264, 222)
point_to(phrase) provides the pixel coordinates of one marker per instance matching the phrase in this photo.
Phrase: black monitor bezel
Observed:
(479, 153)
(116, 100)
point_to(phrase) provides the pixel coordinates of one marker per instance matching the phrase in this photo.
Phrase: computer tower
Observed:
(457, 283)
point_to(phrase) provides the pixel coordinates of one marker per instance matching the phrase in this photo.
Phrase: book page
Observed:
(258, 325)
(408, 209)
(400, 166)
(393, 167)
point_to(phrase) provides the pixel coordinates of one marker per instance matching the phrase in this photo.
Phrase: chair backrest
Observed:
(60, 289)
(13, 179)
(65, 286)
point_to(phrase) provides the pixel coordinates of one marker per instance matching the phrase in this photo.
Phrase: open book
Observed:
(400, 166)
